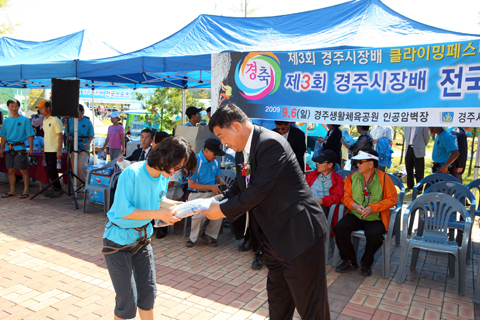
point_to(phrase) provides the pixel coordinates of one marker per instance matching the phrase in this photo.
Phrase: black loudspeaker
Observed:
(65, 97)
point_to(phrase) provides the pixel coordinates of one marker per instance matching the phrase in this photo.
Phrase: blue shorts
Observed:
(133, 277)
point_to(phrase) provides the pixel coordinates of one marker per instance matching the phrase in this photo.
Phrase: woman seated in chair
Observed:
(326, 184)
(369, 194)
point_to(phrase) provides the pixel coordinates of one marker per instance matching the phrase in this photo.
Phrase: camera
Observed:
(222, 187)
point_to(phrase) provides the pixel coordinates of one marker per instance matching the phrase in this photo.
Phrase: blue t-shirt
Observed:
(188, 124)
(85, 130)
(38, 143)
(444, 145)
(136, 189)
(16, 130)
(206, 171)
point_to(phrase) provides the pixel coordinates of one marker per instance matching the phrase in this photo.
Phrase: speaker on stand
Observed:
(65, 101)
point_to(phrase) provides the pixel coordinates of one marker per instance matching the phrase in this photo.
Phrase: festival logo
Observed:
(258, 75)
(447, 116)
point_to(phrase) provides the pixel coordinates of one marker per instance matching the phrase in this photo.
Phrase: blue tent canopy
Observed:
(57, 58)
(361, 23)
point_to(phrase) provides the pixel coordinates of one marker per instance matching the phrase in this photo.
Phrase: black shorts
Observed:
(16, 159)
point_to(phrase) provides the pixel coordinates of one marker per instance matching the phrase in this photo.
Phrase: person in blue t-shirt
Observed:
(15, 130)
(139, 198)
(445, 151)
(205, 183)
(85, 137)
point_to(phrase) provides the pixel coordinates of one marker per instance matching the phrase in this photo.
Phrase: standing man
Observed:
(52, 127)
(193, 115)
(282, 211)
(85, 137)
(445, 151)
(296, 139)
(15, 130)
(460, 134)
(416, 139)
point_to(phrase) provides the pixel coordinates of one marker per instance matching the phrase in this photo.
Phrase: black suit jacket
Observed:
(281, 204)
(461, 136)
(135, 155)
(296, 138)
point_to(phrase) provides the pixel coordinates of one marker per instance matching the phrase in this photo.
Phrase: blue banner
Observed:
(429, 85)
(121, 96)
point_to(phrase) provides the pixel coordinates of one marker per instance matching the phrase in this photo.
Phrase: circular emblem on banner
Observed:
(258, 75)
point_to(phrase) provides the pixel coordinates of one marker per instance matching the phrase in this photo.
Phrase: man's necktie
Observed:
(142, 156)
(245, 160)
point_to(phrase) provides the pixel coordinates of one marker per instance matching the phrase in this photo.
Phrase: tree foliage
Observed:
(6, 27)
(244, 9)
(164, 105)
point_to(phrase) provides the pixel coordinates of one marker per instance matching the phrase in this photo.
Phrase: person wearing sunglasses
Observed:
(139, 198)
(327, 185)
(369, 195)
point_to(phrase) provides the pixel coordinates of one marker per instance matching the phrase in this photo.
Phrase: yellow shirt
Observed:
(52, 127)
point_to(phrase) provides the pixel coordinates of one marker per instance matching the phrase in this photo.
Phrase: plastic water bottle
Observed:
(44, 161)
(59, 163)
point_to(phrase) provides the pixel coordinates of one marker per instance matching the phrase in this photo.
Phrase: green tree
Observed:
(163, 105)
(8, 26)
(243, 8)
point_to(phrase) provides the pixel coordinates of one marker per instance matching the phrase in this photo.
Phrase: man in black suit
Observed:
(141, 154)
(460, 134)
(296, 138)
(282, 212)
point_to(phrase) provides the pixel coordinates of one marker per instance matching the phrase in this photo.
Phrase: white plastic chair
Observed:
(436, 209)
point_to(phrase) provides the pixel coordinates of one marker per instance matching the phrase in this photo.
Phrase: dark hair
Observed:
(13, 101)
(365, 128)
(149, 131)
(159, 136)
(209, 109)
(282, 123)
(336, 126)
(226, 115)
(81, 108)
(170, 153)
(373, 153)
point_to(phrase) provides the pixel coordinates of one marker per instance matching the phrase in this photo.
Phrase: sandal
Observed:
(8, 195)
(24, 195)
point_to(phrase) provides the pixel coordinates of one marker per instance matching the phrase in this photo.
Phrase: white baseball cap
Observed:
(364, 156)
(115, 114)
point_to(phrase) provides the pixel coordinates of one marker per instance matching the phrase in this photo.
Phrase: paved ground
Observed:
(51, 268)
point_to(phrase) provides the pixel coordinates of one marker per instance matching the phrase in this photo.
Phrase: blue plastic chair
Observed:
(461, 193)
(398, 209)
(344, 173)
(436, 209)
(474, 186)
(426, 182)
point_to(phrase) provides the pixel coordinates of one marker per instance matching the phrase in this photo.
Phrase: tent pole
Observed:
(477, 158)
(184, 105)
(306, 142)
(75, 151)
(25, 101)
(93, 122)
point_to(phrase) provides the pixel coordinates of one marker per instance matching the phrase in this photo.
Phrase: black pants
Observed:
(411, 163)
(299, 283)
(374, 231)
(52, 172)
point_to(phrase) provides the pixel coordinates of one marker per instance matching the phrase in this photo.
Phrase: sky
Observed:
(131, 25)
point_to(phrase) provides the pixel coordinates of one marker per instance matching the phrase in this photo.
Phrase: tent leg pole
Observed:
(184, 105)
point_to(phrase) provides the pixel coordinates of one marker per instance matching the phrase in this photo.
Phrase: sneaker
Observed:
(210, 241)
(346, 266)
(189, 243)
(56, 193)
(49, 192)
(257, 263)
(246, 246)
(161, 233)
(366, 271)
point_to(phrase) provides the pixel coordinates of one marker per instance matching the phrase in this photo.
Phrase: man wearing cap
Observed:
(369, 194)
(85, 137)
(116, 137)
(14, 131)
(204, 183)
(326, 184)
(193, 114)
(52, 128)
